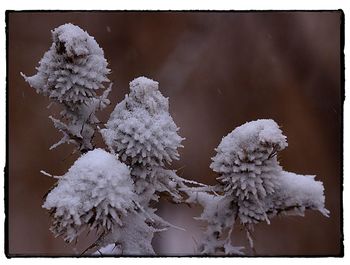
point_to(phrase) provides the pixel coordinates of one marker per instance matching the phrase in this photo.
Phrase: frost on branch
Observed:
(133, 238)
(70, 73)
(219, 212)
(96, 193)
(252, 185)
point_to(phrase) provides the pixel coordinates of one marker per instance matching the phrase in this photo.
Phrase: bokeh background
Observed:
(219, 70)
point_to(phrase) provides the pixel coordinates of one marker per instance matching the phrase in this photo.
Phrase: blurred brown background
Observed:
(219, 69)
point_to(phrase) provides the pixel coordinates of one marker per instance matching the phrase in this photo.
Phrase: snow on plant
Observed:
(252, 186)
(140, 128)
(145, 137)
(141, 131)
(70, 73)
(100, 191)
(96, 192)
(116, 192)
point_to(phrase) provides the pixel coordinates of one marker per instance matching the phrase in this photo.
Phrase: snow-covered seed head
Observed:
(72, 69)
(246, 159)
(140, 129)
(96, 192)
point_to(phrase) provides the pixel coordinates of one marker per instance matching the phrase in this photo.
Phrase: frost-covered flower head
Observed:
(250, 174)
(96, 192)
(246, 159)
(72, 69)
(252, 186)
(141, 129)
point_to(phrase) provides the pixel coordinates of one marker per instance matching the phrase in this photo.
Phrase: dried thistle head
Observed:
(141, 129)
(73, 69)
(246, 159)
(95, 193)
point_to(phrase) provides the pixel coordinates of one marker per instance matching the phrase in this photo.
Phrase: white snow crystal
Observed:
(140, 128)
(96, 191)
